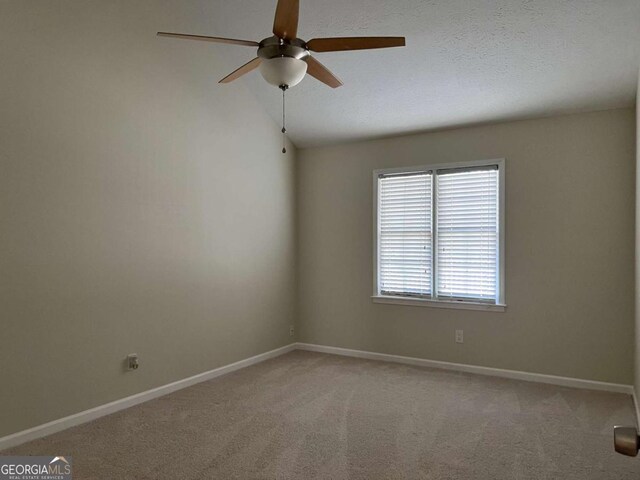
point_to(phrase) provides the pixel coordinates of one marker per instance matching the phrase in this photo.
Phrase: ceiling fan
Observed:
(284, 59)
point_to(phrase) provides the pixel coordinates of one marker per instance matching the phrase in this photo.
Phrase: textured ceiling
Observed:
(466, 62)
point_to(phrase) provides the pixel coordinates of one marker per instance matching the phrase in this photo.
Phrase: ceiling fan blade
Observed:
(322, 73)
(338, 44)
(285, 24)
(231, 41)
(246, 68)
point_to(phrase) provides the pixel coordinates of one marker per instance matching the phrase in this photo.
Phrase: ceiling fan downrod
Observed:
(284, 88)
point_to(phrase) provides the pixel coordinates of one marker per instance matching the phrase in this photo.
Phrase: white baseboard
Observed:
(109, 408)
(460, 367)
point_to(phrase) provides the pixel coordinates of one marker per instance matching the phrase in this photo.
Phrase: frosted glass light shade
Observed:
(283, 71)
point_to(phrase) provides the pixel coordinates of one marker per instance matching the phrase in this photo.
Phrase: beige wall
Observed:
(143, 208)
(569, 245)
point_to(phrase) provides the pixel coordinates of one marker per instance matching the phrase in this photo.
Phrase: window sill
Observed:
(424, 302)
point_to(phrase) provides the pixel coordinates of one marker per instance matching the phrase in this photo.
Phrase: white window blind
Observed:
(467, 233)
(404, 235)
(439, 233)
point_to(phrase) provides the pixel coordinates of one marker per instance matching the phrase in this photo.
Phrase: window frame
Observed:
(500, 304)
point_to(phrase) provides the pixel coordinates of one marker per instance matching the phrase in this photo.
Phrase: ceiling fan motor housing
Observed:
(272, 47)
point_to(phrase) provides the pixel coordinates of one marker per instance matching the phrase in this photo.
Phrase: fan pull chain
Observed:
(284, 128)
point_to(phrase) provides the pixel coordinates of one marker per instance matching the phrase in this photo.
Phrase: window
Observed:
(440, 235)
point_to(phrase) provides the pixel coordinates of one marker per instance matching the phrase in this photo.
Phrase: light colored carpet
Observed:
(309, 415)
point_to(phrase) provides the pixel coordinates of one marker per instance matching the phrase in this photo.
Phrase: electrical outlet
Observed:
(132, 361)
(291, 331)
(459, 336)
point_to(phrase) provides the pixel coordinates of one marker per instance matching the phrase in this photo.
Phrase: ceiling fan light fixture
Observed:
(280, 71)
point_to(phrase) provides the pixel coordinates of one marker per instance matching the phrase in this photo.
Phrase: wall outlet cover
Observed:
(132, 361)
